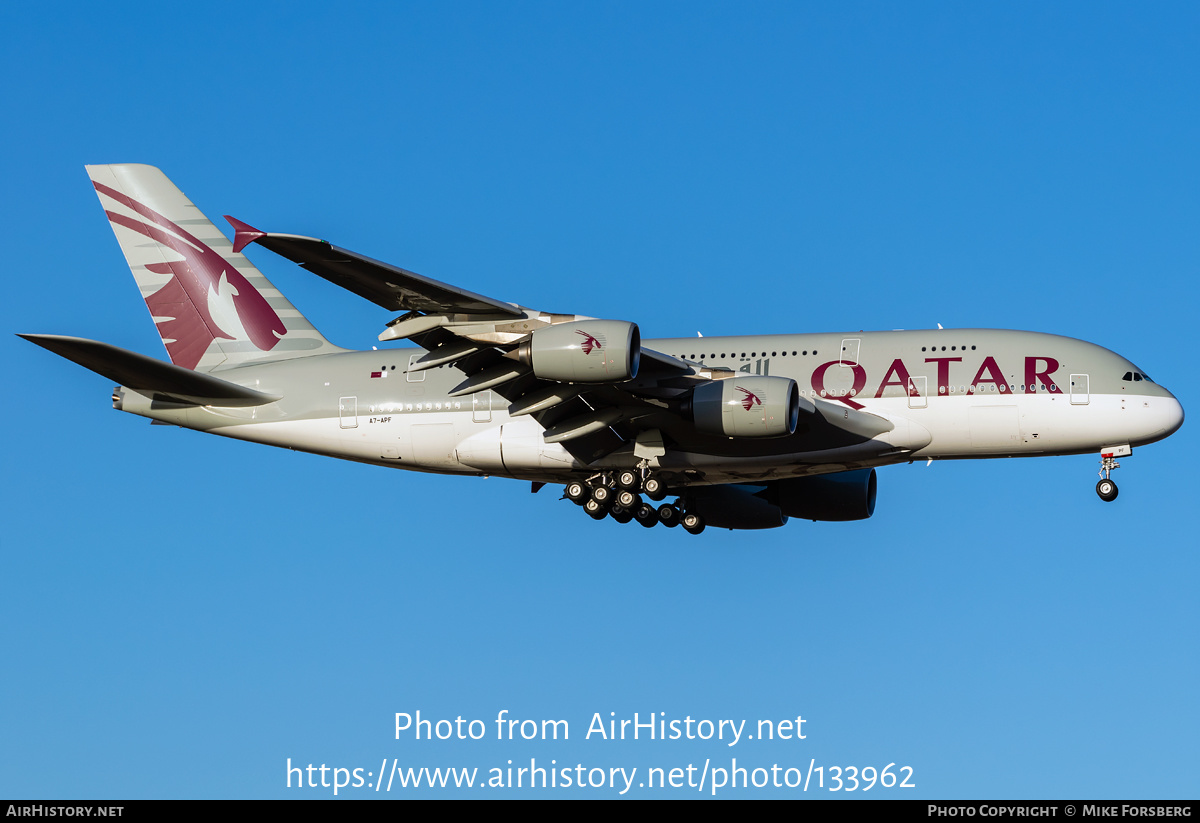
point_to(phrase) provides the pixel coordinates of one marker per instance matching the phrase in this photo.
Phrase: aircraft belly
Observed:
(994, 427)
(481, 449)
(1052, 423)
(981, 426)
(895, 446)
(1028, 424)
(434, 445)
(523, 447)
(318, 435)
(516, 446)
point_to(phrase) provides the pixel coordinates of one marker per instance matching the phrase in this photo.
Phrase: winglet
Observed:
(244, 234)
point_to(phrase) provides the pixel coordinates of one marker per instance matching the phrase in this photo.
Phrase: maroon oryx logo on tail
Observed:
(187, 325)
(590, 343)
(749, 398)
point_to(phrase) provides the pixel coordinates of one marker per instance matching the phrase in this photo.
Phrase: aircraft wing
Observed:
(389, 286)
(488, 341)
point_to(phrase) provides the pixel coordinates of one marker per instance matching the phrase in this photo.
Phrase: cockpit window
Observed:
(1128, 376)
(1136, 377)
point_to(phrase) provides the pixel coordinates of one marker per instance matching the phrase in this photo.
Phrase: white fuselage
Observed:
(988, 394)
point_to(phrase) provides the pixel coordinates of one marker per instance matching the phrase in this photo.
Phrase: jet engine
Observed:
(586, 351)
(842, 496)
(747, 407)
(734, 507)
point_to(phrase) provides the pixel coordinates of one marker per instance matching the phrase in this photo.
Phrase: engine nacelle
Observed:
(842, 496)
(747, 406)
(734, 507)
(586, 351)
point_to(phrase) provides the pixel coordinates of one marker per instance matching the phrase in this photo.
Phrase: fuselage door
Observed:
(917, 397)
(850, 347)
(348, 412)
(414, 376)
(481, 406)
(1079, 390)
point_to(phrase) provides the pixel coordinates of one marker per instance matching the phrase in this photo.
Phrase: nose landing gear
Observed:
(1107, 487)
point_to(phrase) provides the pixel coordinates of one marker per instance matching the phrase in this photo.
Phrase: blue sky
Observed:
(182, 614)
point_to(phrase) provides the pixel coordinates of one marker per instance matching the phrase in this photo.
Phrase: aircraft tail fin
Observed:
(213, 308)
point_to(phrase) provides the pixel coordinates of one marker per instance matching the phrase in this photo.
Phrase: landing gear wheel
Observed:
(602, 495)
(577, 492)
(692, 523)
(629, 479)
(595, 510)
(621, 514)
(627, 499)
(1107, 490)
(654, 488)
(646, 515)
(669, 515)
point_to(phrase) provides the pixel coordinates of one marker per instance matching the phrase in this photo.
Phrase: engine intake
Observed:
(586, 351)
(747, 407)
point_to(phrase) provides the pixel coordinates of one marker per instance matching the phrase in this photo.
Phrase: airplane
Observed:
(740, 432)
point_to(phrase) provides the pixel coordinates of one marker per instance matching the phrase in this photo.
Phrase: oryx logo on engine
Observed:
(749, 398)
(590, 342)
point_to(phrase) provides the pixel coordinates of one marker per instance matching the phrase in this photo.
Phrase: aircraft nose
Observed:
(1159, 415)
(1172, 415)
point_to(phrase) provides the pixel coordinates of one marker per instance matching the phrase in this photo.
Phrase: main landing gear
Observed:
(1107, 487)
(619, 496)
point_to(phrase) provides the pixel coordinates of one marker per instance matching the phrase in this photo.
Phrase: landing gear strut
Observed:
(1107, 488)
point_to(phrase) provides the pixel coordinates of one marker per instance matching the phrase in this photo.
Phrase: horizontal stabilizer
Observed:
(150, 376)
